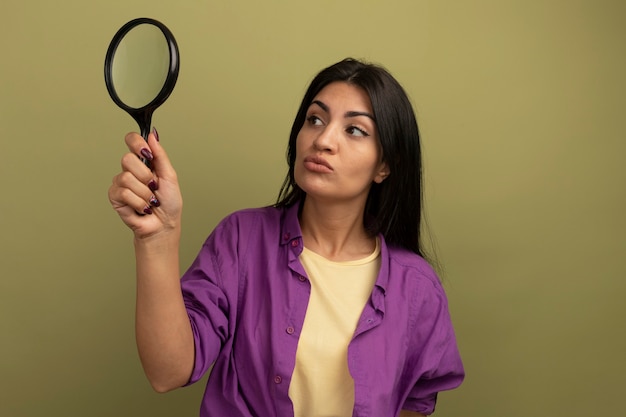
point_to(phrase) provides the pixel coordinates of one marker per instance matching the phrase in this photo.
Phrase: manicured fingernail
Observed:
(156, 134)
(145, 152)
(154, 202)
(153, 186)
(147, 210)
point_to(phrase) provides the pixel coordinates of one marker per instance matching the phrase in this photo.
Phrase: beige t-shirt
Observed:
(321, 384)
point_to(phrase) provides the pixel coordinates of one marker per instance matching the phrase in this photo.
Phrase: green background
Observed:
(521, 105)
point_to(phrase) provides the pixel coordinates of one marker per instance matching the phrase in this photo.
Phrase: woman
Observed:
(321, 305)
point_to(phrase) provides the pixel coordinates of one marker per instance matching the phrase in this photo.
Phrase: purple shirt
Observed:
(246, 295)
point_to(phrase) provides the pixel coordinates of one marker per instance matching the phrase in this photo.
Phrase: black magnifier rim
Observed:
(172, 74)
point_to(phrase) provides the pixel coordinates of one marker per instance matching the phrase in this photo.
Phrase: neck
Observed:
(335, 231)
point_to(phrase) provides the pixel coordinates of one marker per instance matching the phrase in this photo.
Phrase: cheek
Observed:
(298, 145)
(297, 164)
(366, 163)
(301, 145)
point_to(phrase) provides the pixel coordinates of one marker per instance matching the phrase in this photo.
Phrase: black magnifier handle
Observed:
(145, 123)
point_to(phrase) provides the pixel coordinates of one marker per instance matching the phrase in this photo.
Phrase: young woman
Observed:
(321, 305)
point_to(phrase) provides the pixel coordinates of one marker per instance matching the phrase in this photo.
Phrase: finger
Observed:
(139, 146)
(132, 164)
(160, 162)
(127, 190)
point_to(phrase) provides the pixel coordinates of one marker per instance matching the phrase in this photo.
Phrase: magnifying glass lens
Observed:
(140, 65)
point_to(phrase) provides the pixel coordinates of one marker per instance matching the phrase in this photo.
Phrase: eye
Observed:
(314, 120)
(357, 131)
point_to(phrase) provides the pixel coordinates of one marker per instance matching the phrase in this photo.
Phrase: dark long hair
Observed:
(393, 207)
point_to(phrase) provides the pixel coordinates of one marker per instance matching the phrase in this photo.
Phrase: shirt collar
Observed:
(291, 234)
(290, 228)
(378, 297)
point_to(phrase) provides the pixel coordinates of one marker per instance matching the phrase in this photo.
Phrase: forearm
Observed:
(164, 336)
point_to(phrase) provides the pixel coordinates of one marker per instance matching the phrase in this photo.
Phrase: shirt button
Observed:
(290, 330)
(295, 243)
(286, 236)
(278, 379)
(301, 278)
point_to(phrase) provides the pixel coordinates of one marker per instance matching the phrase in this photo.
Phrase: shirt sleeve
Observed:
(438, 364)
(207, 289)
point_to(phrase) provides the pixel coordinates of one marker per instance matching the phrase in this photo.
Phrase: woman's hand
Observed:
(148, 202)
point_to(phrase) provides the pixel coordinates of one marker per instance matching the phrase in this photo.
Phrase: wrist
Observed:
(165, 241)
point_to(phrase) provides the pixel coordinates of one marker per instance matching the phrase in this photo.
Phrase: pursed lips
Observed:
(317, 161)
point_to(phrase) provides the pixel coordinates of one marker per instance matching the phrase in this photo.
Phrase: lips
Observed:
(317, 164)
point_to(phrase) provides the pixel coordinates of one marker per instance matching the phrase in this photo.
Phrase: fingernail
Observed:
(152, 185)
(147, 210)
(146, 154)
(156, 134)
(154, 202)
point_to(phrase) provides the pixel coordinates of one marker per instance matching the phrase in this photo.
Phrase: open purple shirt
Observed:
(246, 295)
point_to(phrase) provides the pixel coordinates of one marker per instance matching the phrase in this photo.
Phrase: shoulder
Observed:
(247, 228)
(413, 267)
(251, 218)
(254, 214)
(242, 234)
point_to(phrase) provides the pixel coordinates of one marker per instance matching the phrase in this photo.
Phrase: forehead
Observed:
(340, 95)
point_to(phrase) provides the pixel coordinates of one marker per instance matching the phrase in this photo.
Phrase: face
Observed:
(337, 149)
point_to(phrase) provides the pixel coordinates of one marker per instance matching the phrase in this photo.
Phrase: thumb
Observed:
(161, 162)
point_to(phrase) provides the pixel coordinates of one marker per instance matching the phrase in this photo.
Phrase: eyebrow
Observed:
(347, 114)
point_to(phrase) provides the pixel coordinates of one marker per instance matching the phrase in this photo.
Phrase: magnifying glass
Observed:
(141, 69)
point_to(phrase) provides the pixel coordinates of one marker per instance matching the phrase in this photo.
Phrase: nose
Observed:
(326, 140)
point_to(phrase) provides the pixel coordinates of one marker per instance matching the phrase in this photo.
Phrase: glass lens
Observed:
(140, 65)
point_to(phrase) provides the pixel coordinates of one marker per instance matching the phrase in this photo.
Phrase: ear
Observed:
(382, 173)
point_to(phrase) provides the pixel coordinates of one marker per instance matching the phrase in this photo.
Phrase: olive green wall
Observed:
(521, 105)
